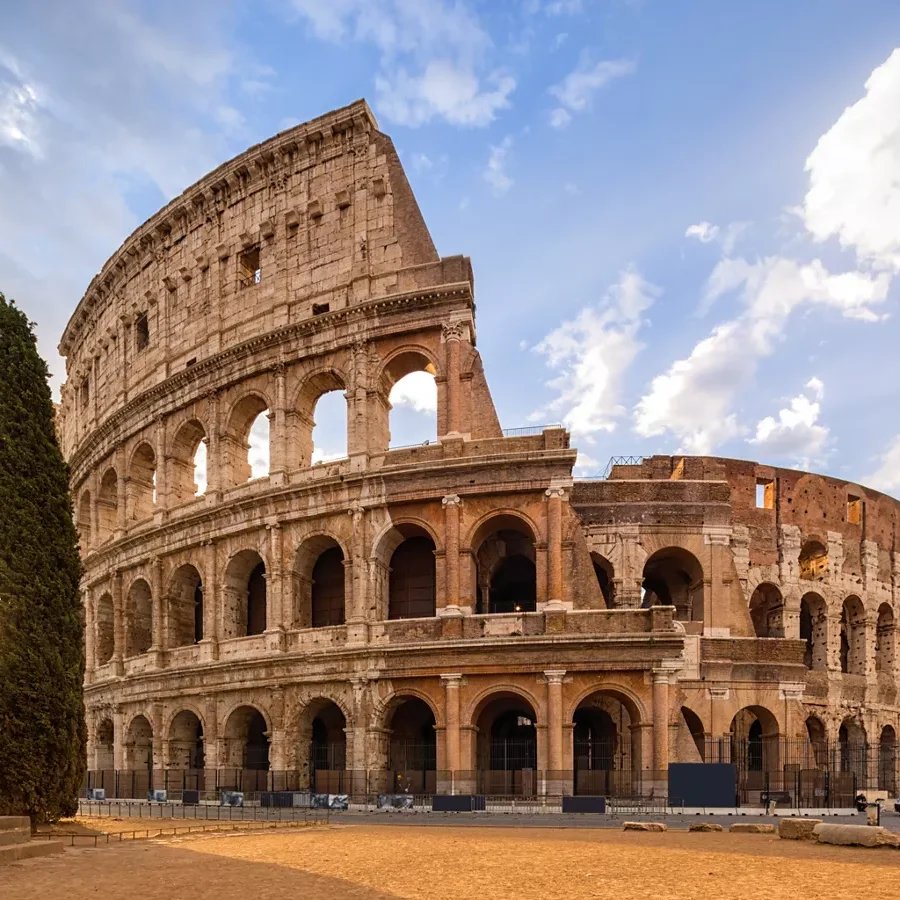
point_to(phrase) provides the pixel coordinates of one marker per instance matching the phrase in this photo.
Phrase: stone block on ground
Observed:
(856, 836)
(705, 826)
(752, 828)
(645, 826)
(14, 830)
(29, 850)
(798, 829)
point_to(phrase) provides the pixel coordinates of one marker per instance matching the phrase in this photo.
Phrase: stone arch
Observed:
(853, 750)
(105, 628)
(395, 367)
(186, 602)
(104, 744)
(888, 761)
(320, 593)
(313, 387)
(138, 618)
(186, 740)
(320, 742)
(406, 576)
(504, 547)
(245, 610)
(83, 520)
(410, 723)
(673, 576)
(853, 636)
(246, 736)
(755, 744)
(816, 735)
(234, 443)
(885, 640)
(107, 505)
(692, 736)
(475, 706)
(183, 484)
(813, 560)
(139, 744)
(605, 575)
(767, 611)
(385, 709)
(141, 488)
(632, 702)
(814, 630)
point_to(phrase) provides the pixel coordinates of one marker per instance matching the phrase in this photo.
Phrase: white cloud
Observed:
(574, 92)
(417, 391)
(591, 354)
(321, 455)
(433, 57)
(727, 237)
(854, 174)
(693, 399)
(795, 433)
(887, 476)
(495, 171)
(705, 232)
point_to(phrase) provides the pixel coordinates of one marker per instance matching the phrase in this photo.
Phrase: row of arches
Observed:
(319, 587)
(318, 424)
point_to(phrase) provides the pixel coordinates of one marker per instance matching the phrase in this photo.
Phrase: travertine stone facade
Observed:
(416, 596)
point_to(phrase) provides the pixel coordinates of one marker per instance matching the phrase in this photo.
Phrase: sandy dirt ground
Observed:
(347, 861)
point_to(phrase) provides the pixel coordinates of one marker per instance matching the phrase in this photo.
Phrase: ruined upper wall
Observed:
(316, 219)
(816, 504)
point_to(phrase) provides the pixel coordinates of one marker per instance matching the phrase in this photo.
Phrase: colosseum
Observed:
(457, 616)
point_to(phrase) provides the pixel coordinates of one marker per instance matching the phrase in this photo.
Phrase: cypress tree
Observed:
(42, 731)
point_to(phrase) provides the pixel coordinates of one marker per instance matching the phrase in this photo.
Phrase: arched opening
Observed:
(186, 749)
(853, 746)
(105, 630)
(815, 733)
(674, 577)
(767, 611)
(813, 561)
(506, 750)
(185, 607)
(107, 506)
(755, 751)
(505, 561)
(888, 761)
(329, 432)
(245, 442)
(138, 619)
(104, 755)
(141, 488)
(814, 630)
(885, 640)
(603, 572)
(853, 637)
(413, 415)
(246, 749)
(319, 583)
(187, 463)
(139, 745)
(83, 521)
(412, 757)
(605, 745)
(323, 731)
(692, 737)
(245, 595)
(411, 581)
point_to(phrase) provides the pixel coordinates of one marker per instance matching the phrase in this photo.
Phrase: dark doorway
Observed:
(412, 580)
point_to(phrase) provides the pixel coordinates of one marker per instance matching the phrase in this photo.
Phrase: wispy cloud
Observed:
(575, 91)
(495, 173)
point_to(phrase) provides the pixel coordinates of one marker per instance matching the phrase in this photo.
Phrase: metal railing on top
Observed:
(527, 430)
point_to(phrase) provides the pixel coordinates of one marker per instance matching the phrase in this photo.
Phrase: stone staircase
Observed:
(16, 842)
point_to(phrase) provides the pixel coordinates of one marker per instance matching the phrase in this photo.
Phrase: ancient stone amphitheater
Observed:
(461, 615)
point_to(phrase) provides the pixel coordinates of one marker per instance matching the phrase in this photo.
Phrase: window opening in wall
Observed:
(200, 469)
(413, 416)
(854, 510)
(765, 494)
(250, 271)
(192, 361)
(319, 309)
(85, 392)
(142, 332)
(330, 430)
(258, 451)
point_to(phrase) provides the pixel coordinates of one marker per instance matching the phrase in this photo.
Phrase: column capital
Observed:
(553, 492)
(452, 681)
(455, 331)
(451, 500)
(555, 676)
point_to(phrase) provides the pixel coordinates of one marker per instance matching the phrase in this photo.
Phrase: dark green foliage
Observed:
(42, 732)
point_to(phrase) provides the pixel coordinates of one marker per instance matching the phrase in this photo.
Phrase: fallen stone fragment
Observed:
(705, 826)
(797, 829)
(645, 826)
(752, 828)
(856, 836)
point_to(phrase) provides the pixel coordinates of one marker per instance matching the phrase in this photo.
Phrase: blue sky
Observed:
(684, 217)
